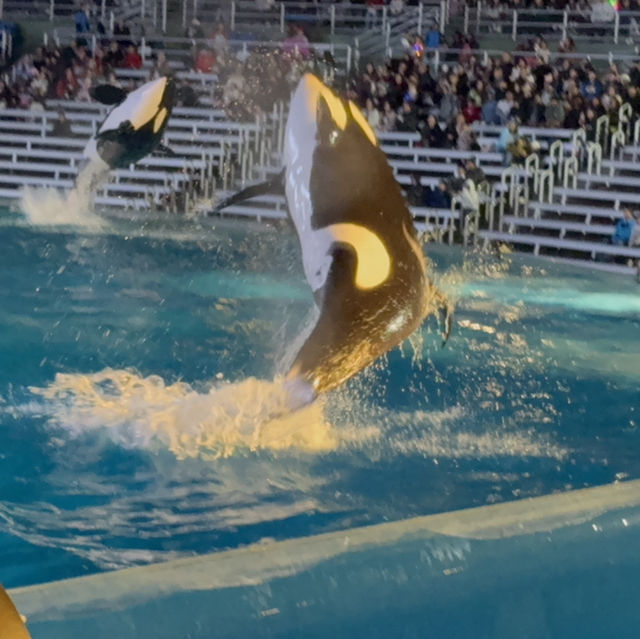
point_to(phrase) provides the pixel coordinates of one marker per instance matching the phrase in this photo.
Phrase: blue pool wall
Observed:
(565, 565)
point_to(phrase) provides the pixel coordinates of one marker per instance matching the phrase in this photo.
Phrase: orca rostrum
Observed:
(360, 250)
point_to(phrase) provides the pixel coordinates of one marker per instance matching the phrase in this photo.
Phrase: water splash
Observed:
(226, 417)
(52, 207)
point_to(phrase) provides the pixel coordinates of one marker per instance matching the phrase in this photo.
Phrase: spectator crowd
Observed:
(529, 88)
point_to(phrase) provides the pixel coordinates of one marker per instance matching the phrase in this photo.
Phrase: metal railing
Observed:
(437, 57)
(610, 26)
(183, 48)
(6, 46)
(338, 19)
(52, 9)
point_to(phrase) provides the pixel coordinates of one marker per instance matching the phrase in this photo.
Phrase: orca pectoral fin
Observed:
(108, 94)
(444, 308)
(124, 129)
(165, 150)
(11, 623)
(274, 186)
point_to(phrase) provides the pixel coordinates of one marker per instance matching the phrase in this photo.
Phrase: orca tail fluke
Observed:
(11, 623)
(274, 186)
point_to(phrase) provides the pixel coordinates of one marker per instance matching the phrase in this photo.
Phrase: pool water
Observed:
(137, 362)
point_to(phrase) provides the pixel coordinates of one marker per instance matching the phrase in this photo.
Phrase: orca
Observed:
(360, 250)
(11, 623)
(134, 127)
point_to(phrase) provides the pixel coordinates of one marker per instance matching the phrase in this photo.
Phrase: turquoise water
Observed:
(135, 368)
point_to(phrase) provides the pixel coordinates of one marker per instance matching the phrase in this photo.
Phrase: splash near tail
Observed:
(11, 623)
(444, 307)
(51, 207)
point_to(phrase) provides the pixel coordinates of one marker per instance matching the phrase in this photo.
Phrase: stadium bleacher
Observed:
(563, 201)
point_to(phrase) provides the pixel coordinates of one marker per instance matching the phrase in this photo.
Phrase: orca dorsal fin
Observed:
(108, 94)
(11, 624)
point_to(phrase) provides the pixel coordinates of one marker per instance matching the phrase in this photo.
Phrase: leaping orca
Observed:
(11, 623)
(359, 246)
(134, 127)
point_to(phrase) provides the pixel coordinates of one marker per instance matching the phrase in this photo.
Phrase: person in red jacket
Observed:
(67, 85)
(133, 60)
(205, 61)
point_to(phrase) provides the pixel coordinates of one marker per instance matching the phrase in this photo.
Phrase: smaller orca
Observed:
(360, 250)
(134, 127)
(11, 623)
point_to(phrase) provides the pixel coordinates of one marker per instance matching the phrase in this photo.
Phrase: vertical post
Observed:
(184, 13)
(232, 23)
(436, 61)
(565, 24)
(103, 10)
(332, 17)
(421, 16)
(143, 49)
(1, 9)
(384, 18)
(112, 20)
(443, 15)
(164, 16)
(348, 63)
(616, 28)
(195, 9)
(282, 8)
(143, 11)
(478, 16)
(52, 10)
(155, 14)
(94, 43)
(514, 26)
(466, 19)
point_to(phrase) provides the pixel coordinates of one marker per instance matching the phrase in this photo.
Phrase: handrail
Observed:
(594, 158)
(604, 23)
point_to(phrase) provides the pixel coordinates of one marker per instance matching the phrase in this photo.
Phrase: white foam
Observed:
(53, 207)
(146, 412)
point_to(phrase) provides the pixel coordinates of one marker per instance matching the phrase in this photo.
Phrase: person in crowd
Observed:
(634, 240)
(81, 20)
(508, 137)
(373, 115)
(625, 228)
(439, 197)
(407, 119)
(474, 172)
(592, 88)
(132, 59)
(297, 43)
(432, 135)
(61, 126)
(219, 41)
(205, 61)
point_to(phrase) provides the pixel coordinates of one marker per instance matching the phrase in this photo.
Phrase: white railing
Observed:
(592, 24)
(436, 57)
(337, 18)
(6, 46)
(343, 54)
(52, 9)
